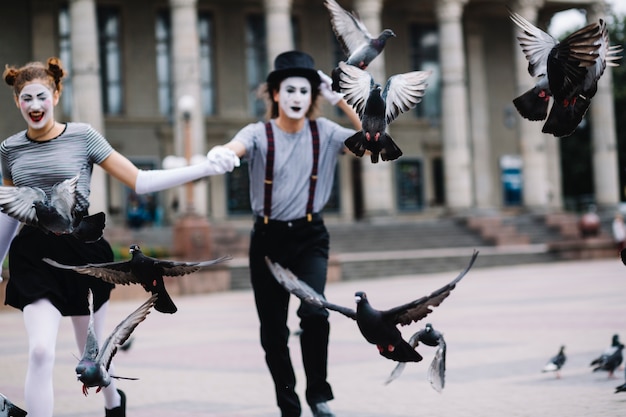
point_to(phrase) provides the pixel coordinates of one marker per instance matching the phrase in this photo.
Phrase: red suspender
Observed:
(269, 171)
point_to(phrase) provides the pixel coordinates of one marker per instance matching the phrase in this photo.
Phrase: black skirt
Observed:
(32, 279)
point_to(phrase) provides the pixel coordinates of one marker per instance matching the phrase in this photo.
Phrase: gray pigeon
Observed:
(359, 46)
(437, 369)
(568, 71)
(556, 363)
(611, 358)
(144, 270)
(56, 214)
(378, 107)
(93, 368)
(8, 409)
(377, 327)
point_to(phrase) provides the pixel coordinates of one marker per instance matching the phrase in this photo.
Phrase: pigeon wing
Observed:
(7, 408)
(356, 85)
(123, 330)
(349, 30)
(303, 291)
(420, 308)
(176, 269)
(536, 45)
(607, 56)
(90, 352)
(437, 368)
(403, 91)
(18, 202)
(63, 196)
(111, 272)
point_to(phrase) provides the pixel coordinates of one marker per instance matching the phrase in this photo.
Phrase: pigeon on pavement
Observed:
(568, 71)
(93, 368)
(56, 214)
(378, 107)
(556, 363)
(144, 270)
(437, 369)
(359, 46)
(611, 358)
(8, 409)
(377, 327)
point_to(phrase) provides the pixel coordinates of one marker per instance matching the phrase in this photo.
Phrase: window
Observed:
(65, 54)
(207, 76)
(409, 181)
(424, 50)
(256, 62)
(163, 37)
(109, 35)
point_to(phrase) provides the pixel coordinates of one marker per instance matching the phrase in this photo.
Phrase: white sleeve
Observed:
(220, 160)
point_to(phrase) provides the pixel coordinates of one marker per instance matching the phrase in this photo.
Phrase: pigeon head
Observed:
(386, 34)
(134, 248)
(429, 327)
(360, 296)
(615, 340)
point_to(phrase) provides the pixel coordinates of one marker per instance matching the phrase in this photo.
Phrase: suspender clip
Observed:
(309, 217)
(265, 219)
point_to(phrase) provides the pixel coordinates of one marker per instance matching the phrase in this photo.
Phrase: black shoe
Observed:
(119, 411)
(321, 410)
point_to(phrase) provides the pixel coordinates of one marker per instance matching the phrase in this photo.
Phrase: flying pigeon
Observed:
(56, 214)
(378, 107)
(377, 327)
(356, 41)
(437, 369)
(93, 368)
(8, 409)
(144, 270)
(556, 363)
(568, 71)
(611, 358)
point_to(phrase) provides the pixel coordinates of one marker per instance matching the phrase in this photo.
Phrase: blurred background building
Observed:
(465, 147)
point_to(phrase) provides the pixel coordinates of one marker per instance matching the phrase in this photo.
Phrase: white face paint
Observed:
(36, 105)
(294, 97)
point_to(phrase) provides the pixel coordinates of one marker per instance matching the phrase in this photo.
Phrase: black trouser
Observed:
(302, 247)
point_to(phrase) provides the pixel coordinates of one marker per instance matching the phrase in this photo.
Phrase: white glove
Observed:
(218, 162)
(8, 227)
(326, 89)
(223, 157)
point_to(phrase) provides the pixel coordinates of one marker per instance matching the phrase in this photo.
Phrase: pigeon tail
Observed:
(356, 143)
(90, 228)
(403, 352)
(533, 104)
(564, 119)
(389, 150)
(164, 303)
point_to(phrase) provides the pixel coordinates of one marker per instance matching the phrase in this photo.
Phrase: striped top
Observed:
(31, 163)
(293, 162)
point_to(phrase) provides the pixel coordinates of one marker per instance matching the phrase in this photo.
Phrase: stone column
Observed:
(278, 28)
(454, 113)
(186, 73)
(603, 134)
(377, 179)
(536, 187)
(85, 72)
(44, 29)
(484, 187)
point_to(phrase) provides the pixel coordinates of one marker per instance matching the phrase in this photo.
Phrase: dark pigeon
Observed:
(437, 369)
(93, 368)
(378, 107)
(377, 327)
(359, 46)
(56, 214)
(8, 409)
(611, 358)
(556, 363)
(568, 71)
(144, 270)
(621, 388)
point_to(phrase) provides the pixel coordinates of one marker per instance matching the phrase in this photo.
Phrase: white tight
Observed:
(41, 320)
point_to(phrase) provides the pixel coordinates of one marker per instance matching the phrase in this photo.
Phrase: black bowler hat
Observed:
(294, 64)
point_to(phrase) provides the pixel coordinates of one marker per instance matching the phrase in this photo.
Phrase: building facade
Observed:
(465, 147)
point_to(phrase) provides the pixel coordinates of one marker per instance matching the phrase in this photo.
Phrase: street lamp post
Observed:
(192, 232)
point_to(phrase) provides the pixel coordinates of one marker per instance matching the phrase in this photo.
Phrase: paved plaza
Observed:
(501, 325)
